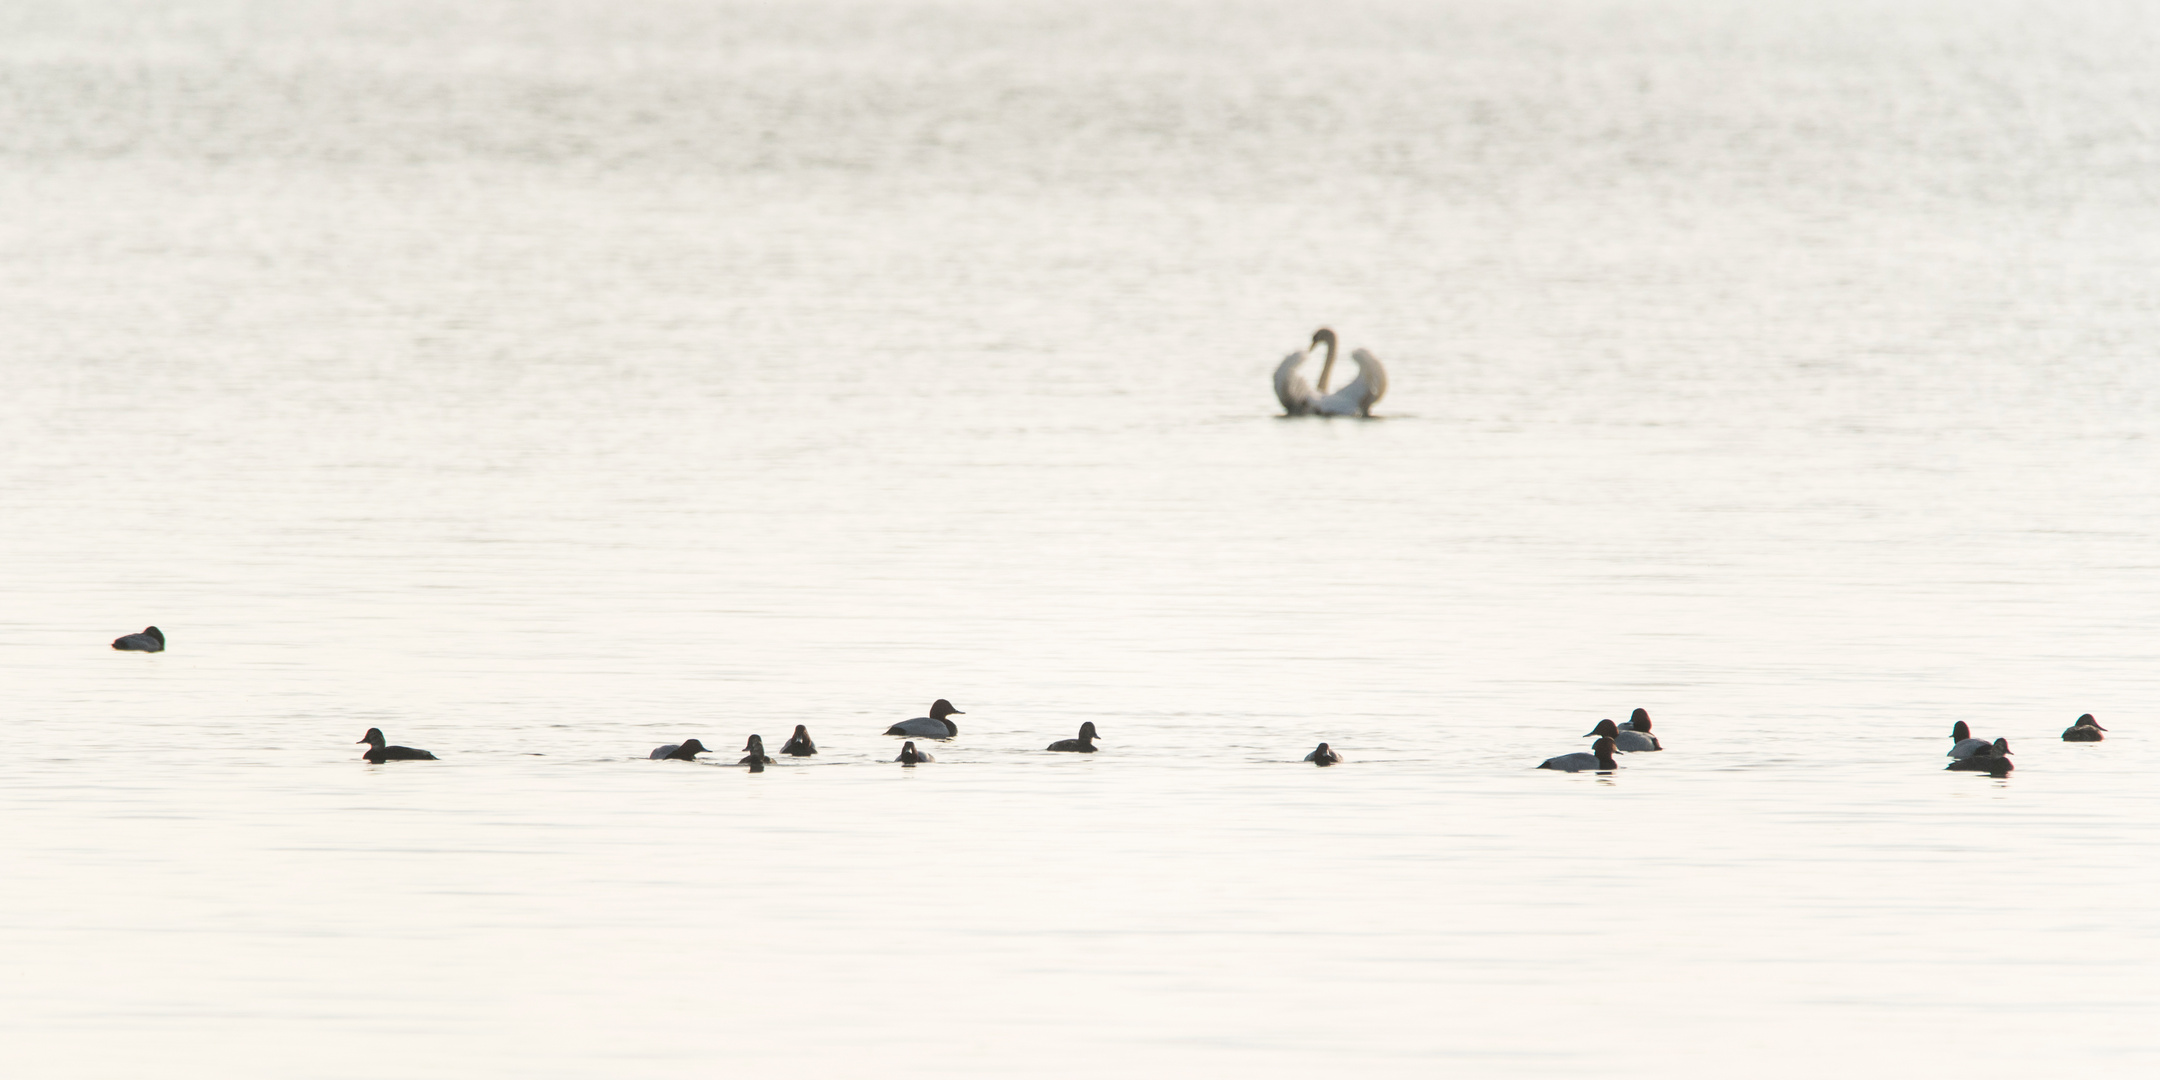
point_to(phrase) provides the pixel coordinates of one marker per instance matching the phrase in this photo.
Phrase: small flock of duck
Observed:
(934, 726)
(1968, 754)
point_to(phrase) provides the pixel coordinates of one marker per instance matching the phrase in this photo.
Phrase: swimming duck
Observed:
(1599, 758)
(1629, 741)
(151, 639)
(1995, 759)
(2086, 729)
(799, 744)
(1639, 721)
(754, 753)
(1965, 746)
(688, 750)
(1324, 757)
(933, 726)
(1085, 744)
(377, 753)
(909, 755)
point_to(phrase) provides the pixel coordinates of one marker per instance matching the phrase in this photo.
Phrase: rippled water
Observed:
(544, 382)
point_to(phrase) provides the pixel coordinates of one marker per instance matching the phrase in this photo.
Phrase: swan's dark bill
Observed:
(1599, 759)
(1322, 756)
(933, 726)
(799, 744)
(151, 639)
(687, 750)
(377, 752)
(1085, 744)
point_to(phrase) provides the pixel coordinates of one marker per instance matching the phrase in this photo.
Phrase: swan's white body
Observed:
(1356, 399)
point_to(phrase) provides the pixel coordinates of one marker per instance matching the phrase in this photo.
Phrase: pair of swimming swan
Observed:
(1356, 399)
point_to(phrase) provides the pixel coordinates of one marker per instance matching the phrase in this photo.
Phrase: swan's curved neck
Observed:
(1327, 367)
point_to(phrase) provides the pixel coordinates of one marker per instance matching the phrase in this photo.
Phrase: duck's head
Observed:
(1087, 731)
(2002, 748)
(156, 633)
(755, 743)
(374, 738)
(1321, 750)
(2088, 721)
(802, 732)
(1640, 719)
(1606, 728)
(1604, 747)
(941, 708)
(692, 746)
(1960, 732)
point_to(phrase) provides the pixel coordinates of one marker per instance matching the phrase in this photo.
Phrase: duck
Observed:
(151, 639)
(1638, 721)
(1629, 741)
(1085, 744)
(687, 750)
(933, 726)
(377, 752)
(2086, 729)
(1600, 758)
(799, 744)
(909, 756)
(1965, 746)
(1324, 757)
(1995, 759)
(754, 753)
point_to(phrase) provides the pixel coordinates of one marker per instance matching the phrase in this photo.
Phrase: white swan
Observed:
(1356, 399)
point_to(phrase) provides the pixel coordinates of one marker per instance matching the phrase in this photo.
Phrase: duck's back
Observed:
(2083, 733)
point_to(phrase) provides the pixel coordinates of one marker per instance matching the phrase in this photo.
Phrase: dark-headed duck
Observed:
(1323, 756)
(1629, 741)
(377, 752)
(1599, 758)
(2086, 729)
(799, 744)
(687, 750)
(151, 639)
(933, 726)
(1085, 744)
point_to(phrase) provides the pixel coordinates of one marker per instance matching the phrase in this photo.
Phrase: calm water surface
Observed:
(545, 382)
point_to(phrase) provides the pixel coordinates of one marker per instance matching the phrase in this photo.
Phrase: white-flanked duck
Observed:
(1629, 741)
(754, 753)
(1963, 745)
(1085, 744)
(1599, 758)
(1323, 757)
(933, 726)
(799, 744)
(377, 752)
(151, 639)
(687, 750)
(910, 756)
(1995, 759)
(2086, 729)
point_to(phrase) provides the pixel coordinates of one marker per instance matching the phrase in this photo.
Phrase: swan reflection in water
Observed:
(1356, 399)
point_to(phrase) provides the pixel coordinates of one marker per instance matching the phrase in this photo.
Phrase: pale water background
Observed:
(545, 381)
